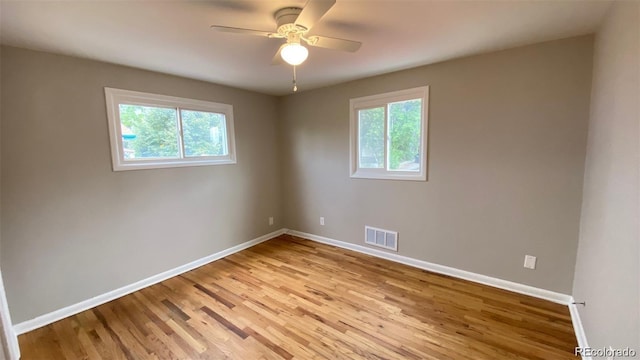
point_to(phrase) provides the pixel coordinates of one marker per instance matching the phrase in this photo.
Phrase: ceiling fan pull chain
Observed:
(295, 87)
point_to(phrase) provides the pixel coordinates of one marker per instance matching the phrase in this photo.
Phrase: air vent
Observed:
(380, 237)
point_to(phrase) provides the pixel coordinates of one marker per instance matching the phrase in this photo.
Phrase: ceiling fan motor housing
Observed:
(286, 18)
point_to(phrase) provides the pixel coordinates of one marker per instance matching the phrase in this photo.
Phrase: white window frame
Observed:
(383, 100)
(115, 97)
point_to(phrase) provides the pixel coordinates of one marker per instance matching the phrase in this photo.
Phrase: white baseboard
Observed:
(60, 314)
(577, 327)
(445, 270)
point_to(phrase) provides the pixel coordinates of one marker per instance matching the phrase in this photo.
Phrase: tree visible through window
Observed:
(404, 135)
(389, 142)
(204, 133)
(149, 131)
(371, 138)
(153, 132)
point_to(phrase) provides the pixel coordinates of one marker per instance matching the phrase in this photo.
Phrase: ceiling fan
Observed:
(294, 24)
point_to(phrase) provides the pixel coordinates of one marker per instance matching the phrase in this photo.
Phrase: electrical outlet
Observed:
(529, 262)
(270, 220)
(322, 221)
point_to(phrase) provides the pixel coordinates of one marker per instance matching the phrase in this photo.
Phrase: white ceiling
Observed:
(174, 36)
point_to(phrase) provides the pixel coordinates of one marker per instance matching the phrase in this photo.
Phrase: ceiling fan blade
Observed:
(241, 30)
(313, 11)
(277, 59)
(333, 43)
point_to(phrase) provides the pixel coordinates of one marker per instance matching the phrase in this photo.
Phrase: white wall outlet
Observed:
(270, 220)
(322, 220)
(530, 262)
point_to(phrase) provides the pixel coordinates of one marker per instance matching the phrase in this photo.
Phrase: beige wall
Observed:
(507, 139)
(607, 273)
(72, 228)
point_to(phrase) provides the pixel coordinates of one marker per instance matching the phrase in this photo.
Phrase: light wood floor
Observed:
(290, 298)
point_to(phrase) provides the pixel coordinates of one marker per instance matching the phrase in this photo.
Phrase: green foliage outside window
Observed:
(203, 133)
(404, 132)
(371, 138)
(404, 135)
(153, 132)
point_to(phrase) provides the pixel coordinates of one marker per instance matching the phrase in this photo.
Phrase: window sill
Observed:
(169, 164)
(388, 176)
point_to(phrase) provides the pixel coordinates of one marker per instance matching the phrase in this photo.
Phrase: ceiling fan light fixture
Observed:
(294, 53)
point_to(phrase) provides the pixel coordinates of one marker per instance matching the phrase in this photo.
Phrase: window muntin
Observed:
(157, 131)
(388, 135)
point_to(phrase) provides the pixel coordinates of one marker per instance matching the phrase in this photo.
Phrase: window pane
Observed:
(149, 132)
(404, 135)
(205, 133)
(371, 138)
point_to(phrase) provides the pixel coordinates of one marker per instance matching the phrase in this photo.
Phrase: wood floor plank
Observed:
(290, 298)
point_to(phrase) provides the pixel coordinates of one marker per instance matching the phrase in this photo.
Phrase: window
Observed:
(389, 135)
(157, 131)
